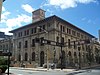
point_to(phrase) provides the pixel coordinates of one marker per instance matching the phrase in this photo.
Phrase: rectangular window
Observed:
(62, 40)
(35, 30)
(21, 34)
(0, 47)
(57, 39)
(63, 29)
(44, 27)
(69, 45)
(19, 44)
(27, 32)
(26, 44)
(32, 30)
(67, 30)
(74, 45)
(33, 42)
(78, 34)
(73, 33)
(40, 28)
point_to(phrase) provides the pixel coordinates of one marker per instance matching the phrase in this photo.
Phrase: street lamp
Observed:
(9, 54)
(54, 56)
(48, 46)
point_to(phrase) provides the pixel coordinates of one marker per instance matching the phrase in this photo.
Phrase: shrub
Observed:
(3, 64)
(3, 68)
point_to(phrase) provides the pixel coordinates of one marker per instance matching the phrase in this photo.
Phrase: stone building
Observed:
(27, 51)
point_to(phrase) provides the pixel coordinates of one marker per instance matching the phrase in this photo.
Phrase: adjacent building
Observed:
(6, 44)
(27, 49)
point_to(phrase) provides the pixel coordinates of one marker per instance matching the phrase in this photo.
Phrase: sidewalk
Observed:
(44, 69)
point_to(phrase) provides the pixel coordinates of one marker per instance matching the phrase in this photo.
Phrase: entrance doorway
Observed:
(41, 58)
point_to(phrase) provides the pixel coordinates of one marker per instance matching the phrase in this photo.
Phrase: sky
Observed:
(84, 14)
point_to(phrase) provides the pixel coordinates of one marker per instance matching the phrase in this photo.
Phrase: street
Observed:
(89, 72)
(23, 71)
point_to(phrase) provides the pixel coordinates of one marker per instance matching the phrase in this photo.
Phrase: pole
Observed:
(9, 54)
(47, 52)
(61, 58)
(61, 52)
(8, 62)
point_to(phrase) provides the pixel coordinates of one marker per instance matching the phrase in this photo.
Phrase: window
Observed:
(33, 56)
(57, 39)
(21, 34)
(79, 48)
(81, 36)
(18, 34)
(26, 44)
(63, 29)
(33, 42)
(35, 30)
(44, 27)
(74, 45)
(32, 30)
(78, 34)
(69, 31)
(0, 47)
(62, 40)
(27, 32)
(26, 56)
(19, 46)
(40, 28)
(73, 33)
(69, 45)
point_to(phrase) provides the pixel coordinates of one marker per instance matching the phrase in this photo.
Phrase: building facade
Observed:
(30, 51)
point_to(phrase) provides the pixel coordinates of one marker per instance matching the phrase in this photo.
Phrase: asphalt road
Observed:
(90, 72)
(95, 71)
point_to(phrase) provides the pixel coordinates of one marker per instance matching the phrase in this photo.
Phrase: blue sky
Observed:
(84, 14)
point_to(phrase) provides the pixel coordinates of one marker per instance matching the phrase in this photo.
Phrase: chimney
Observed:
(38, 15)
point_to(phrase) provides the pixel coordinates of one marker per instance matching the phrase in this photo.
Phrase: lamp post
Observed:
(48, 46)
(9, 54)
(54, 56)
(61, 49)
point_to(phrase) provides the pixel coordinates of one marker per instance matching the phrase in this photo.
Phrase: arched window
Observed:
(26, 56)
(33, 56)
(74, 54)
(69, 53)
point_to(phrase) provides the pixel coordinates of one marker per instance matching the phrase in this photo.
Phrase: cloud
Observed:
(27, 8)
(50, 11)
(63, 4)
(86, 1)
(10, 23)
(3, 9)
(6, 30)
(18, 20)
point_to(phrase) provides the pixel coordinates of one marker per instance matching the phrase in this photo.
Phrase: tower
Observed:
(37, 15)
